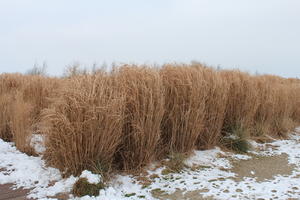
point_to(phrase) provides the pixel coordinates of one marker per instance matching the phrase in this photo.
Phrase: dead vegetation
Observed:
(133, 115)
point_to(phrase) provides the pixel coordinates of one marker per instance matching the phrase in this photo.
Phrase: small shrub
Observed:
(82, 188)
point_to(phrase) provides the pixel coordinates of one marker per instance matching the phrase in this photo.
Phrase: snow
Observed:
(92, 178)
(209, 174)
(37, 142)
(208, 158)
(30, 172)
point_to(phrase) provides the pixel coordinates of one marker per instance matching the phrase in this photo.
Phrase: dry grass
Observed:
(84, 124)
(28, 102)
(21, 124)
(242, 102)
(281, 119)
(133, 115)
(185, 96)
(217, 93)
(144, 110)
(264, 113)
(9, 84)
(5, 117)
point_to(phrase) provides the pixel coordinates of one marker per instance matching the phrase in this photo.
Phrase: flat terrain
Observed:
(6, 193)
(261, 168)
(269, 171)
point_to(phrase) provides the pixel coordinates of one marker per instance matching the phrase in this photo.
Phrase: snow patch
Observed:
(208, 158)
(37, 142)
(212, 176)
(92, 178)
(30, 173)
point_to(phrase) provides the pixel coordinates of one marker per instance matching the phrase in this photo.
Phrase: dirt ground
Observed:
(260, 167)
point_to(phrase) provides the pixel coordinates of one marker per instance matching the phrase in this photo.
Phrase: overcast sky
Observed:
(252, 35)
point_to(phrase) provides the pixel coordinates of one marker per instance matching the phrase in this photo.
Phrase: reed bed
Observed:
(128, 117)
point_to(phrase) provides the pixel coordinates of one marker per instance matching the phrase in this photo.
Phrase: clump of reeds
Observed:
(5, 117)
(9, 84)
(84, 124)
(242, 102)
(185, 96)
(28, 102)
(144, 109)
(266, 106)
(281, 119)
(21, 123)
(214, 113)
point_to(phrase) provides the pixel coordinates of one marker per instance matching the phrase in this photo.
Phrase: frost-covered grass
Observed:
(209, 173)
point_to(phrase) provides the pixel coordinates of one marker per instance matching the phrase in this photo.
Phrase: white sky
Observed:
(252, 35)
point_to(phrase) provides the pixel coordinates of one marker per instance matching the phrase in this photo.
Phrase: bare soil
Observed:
(260, 167)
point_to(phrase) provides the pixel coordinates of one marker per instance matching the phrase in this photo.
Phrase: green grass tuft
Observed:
(236, 139)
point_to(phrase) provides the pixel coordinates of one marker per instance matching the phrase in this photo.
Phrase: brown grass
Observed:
(242, 102)
(266, 107)
(144, 109)
(21, 123)
(185, 96)
(28, 102)
(133, 115)
(84, 124)
(9, 84)
(217, 94)
(281, 119)
(5, 117)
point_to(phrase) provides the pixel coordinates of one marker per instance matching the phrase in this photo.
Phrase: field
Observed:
(185, 122)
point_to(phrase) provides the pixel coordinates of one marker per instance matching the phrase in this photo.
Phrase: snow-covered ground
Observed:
(209, 173)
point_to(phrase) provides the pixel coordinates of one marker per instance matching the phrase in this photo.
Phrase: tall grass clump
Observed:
(282, 122)
(5, 117)
(21, 123)
(263, 117)
(241, 106)
(144, 109)
(31, 98)
(84, 124)
(9, 84)
(214, 112)
(242, 101)
(295, 100)
(185, 97)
